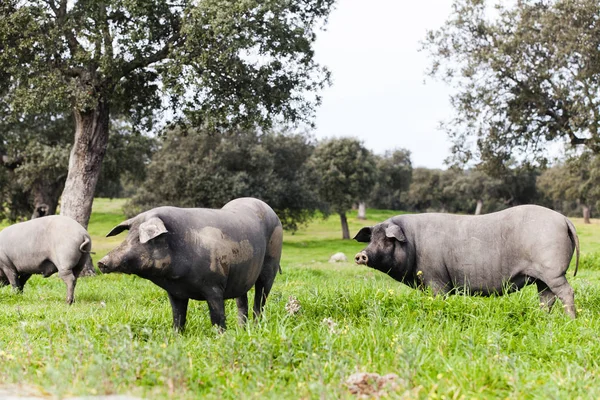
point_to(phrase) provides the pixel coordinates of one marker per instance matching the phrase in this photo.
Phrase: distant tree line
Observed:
(297, 175)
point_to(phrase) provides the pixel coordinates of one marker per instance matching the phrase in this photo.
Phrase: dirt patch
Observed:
(372, 385)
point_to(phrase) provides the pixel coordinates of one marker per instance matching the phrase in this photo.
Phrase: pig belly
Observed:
(488, 280)
(243, 276)
(33, 263)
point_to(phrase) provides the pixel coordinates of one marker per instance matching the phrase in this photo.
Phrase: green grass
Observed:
(116, 337)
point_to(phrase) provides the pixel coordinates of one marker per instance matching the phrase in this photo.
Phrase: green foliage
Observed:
(127, 157)
(425, 189)
(573, 183)
(219, 60)
(458, 191)
(394, 174)
(116, 338)
(200, 169)
(35, 153)
(214, 63)
(347, 172)
(526, 77)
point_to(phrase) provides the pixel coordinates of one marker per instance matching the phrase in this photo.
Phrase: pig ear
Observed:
(394, 231)
(364, 235)
(120, 228)
(152, 228)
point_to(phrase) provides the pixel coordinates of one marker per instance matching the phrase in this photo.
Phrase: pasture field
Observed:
(117, 338)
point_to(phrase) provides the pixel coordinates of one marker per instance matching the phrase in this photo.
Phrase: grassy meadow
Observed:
(117, 338)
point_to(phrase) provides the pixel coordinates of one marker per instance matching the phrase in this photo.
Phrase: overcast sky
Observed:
(380, 93)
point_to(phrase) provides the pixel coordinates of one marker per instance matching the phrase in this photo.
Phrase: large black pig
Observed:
(484, 254)
(203, 254)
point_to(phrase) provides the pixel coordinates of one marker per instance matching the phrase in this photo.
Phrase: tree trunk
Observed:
(345, 230)
(362, 210)
(479, 207)
(89, 147)
(586, 214)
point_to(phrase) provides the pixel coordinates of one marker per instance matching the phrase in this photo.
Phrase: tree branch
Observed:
(52, 6)
(142, 62)
(106, 36)
(61, 16)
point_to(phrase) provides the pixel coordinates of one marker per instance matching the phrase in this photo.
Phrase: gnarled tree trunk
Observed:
(89, 147)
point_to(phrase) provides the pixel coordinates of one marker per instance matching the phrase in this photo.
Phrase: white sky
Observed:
(380, 92)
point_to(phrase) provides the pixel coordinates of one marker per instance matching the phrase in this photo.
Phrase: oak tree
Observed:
(347, 173)
(215, 61)
(527, 74)
(197, 168)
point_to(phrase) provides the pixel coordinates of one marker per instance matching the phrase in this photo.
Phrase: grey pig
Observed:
(493, 253)
(44, 246)
(203, 254)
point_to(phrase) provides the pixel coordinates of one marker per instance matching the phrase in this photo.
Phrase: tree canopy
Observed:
(216, 62)
(573, 184)
(394, 174)
(527, 73)
(199, 169)
(347, 174)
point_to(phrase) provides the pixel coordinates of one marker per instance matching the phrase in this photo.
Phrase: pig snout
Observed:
(361, 258)
(103, 265)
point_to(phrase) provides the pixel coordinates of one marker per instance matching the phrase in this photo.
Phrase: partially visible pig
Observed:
(44, 246)
(485, 254)
(203, 254)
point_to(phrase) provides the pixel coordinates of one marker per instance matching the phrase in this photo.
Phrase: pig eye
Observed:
(390, 241)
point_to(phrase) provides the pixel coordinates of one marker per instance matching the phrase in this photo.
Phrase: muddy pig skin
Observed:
(203, 254)
(44, 246)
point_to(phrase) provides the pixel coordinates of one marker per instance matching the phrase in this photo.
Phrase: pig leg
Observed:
(242, 305)
(262, 288)
(12, 276)
(265, 280)
(3, 279)
(23, 278)
(564, 292)
(547, 298)
(179, 307)
(216, 307)
(70, 280)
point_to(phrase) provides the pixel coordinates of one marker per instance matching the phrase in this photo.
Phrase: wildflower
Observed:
(292, 306)
(331, 324)
(419, 273)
